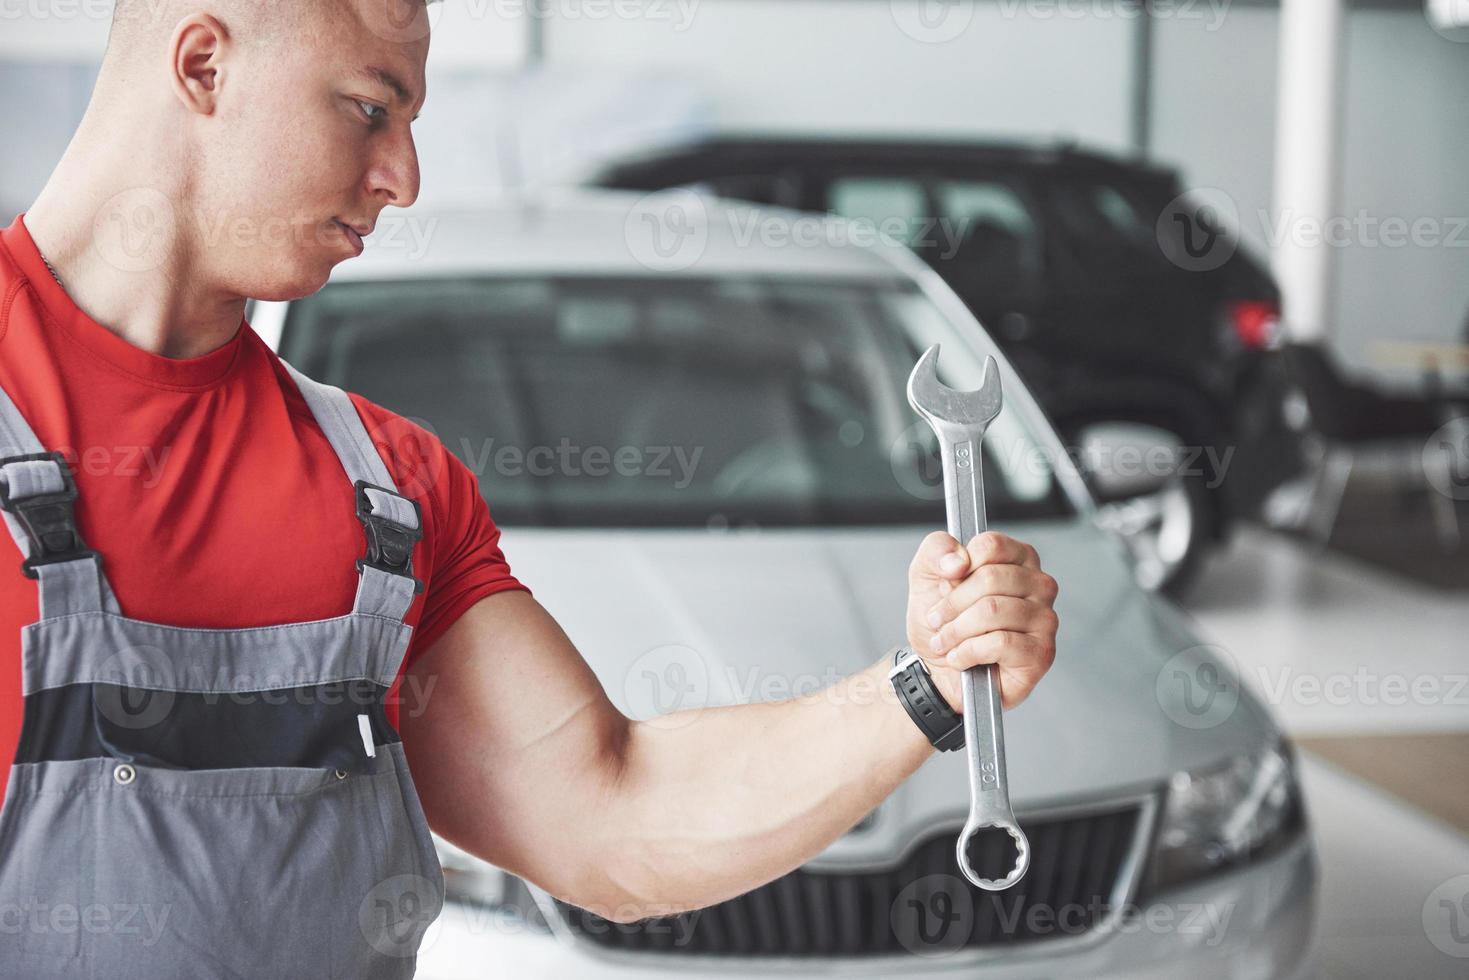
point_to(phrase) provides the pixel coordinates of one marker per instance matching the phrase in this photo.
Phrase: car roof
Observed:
(732, 150)
(587, 232)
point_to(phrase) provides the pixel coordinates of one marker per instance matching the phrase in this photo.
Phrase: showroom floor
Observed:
(1363, 662)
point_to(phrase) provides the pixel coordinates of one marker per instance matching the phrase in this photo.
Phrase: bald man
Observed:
(228, 660)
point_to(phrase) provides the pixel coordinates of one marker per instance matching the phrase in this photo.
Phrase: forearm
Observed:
(711, 802)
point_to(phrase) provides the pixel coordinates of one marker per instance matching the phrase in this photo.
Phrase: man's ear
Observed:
(196, 61)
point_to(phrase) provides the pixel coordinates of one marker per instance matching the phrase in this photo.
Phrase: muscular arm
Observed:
(521, 759)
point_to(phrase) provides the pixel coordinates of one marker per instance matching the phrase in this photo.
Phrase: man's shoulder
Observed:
(415, 455)
(417, 460)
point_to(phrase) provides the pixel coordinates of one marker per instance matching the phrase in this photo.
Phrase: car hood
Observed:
(670, 619)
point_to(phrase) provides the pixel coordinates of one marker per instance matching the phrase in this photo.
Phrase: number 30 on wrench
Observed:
(959, 419)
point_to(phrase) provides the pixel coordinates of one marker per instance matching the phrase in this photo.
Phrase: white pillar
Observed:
(1307, 151)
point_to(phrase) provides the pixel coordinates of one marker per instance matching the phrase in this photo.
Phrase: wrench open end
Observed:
(988, 846)
(938, 403)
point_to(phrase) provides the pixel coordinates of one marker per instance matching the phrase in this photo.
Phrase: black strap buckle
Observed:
(389, 544)
(49, 519)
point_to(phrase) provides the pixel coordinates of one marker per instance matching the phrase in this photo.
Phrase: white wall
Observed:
(849, 65)
(1406, 136)
(1213, 106)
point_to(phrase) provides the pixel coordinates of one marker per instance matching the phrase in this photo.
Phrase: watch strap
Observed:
(924, 703)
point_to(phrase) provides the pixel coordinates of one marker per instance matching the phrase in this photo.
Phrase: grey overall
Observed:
(190, 804)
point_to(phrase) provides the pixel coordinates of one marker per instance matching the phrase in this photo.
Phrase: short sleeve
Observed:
(461, 555)
(467, 564)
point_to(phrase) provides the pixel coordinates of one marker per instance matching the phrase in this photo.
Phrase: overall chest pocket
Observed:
(334, 725)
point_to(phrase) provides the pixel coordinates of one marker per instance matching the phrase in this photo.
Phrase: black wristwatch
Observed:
(924, 703)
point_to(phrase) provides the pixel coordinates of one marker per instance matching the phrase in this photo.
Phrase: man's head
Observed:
(270, 126)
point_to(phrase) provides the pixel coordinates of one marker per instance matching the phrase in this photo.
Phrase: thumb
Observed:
(940, 558)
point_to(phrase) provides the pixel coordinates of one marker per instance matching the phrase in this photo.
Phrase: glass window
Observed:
(667, 402)
(986, 231)
(895, 207)
(1103, 227)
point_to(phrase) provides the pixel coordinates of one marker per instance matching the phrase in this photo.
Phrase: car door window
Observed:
(895, 207)
(986, 229)
(1102, 229)
(986, 244)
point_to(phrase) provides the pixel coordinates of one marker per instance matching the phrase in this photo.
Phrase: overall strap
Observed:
(393, 523)
(38, 501)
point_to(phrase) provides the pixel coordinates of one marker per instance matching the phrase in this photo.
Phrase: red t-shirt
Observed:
(207, 487)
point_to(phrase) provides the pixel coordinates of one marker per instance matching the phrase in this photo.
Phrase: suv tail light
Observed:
(1256, 323)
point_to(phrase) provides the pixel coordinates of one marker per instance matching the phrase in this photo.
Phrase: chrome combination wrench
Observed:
(959, 419)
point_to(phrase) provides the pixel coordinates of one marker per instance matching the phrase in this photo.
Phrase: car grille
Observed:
(921, 906)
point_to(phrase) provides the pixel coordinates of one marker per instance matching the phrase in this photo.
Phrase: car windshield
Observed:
(668, 402)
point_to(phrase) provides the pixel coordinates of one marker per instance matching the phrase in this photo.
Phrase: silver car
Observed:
(688, 416)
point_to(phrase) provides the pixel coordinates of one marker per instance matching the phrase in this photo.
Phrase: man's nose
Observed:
(394, 175)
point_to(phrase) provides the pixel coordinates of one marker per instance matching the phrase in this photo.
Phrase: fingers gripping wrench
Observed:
(959, 419)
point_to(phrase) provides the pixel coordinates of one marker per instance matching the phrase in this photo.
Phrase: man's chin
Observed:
(303, 283)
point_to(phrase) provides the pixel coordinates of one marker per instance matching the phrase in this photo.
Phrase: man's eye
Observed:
(369, 108)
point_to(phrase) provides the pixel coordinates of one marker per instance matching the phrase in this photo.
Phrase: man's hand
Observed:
(987, 604)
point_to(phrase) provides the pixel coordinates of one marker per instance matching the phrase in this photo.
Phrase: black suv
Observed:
(1119, 300)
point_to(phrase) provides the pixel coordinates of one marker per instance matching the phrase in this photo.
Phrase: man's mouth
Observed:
(350, 233)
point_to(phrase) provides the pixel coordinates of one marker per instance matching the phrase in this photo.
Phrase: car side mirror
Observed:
(1121, 460)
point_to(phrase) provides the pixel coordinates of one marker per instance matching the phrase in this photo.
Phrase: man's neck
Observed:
(125, 268)
(122, 254)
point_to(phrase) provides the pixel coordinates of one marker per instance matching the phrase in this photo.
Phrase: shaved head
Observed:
(232, 150)
(275, 130)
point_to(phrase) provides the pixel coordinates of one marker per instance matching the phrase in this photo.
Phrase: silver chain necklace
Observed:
(49, 268)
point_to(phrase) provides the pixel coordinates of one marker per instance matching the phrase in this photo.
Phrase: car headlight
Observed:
(1221, 817)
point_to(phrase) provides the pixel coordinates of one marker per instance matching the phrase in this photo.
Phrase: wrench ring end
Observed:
(1022, 855)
